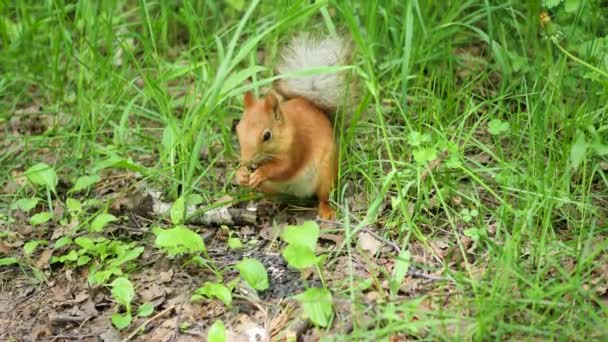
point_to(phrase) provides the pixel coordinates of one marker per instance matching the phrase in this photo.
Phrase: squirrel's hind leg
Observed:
(325, 210)
(326, 184)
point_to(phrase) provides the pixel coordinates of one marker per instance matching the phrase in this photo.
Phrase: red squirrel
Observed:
(287, 136)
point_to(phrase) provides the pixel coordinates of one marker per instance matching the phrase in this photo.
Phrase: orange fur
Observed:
(299, 158)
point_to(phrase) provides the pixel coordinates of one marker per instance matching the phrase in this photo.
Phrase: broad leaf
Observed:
(30, 247)
(62, 241)
(42, 174)
(85, 243)
(216, 290)
(300, 257)
(41, 218)
(101, 221)
(85, 182)
(26, 204)
(121, 321)
(254, 273)
(578, 151)
(498, 127)
(424, 155)
(178, 211)
(400, 268)
(217, 332)
(73, 205)
(145, 310)
(306, 234)
(317, 304)
(8, 261)
(179, 240)
(123, 292)
(234, 243)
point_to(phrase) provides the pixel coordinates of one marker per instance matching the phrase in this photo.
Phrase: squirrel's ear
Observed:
(248, 99)
(271, 104)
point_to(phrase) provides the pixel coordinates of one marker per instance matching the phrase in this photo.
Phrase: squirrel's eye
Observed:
(267, 136)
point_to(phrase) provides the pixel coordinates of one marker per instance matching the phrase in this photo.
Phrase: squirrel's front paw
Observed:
(256, 178)
(242, 177)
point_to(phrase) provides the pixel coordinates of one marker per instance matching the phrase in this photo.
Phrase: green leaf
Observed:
(571, 5)
(498, 127)
(123, 292)
(400, 268)
(145, 310)
(30, 247)
(42, 174)
(178, 210)
(234, 243)
(424, 155)
(217, 332)
(83, 260)
(62, 241)
(71, 256)
(85, 243)
(551, 3)
(101, 221)
(194, 199)
(317, 304)
(41, 218)
(254, 273)
(473, 233)
(73, 205)
(306, 234)
(179, 240)
(121, 321)
(84, 182)
(216, 290)
(578, 151)
(299, 256)
(416, 139)
(8, 261)
(26, 204)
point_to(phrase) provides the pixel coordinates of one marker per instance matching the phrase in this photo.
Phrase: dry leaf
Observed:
(369, 243)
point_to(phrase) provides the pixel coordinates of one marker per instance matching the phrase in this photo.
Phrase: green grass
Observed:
(157, 83)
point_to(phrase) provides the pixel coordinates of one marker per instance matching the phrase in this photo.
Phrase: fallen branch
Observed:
(223, 215)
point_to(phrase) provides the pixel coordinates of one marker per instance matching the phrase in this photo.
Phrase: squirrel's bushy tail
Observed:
(328, 91)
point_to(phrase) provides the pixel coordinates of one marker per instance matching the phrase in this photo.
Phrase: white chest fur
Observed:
(302, 185)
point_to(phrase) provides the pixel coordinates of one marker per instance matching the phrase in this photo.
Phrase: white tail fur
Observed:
(327, 90)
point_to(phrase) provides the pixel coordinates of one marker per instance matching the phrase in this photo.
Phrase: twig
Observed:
(74, 337)
(53, 318)
(417, 273)
(386, 241)
(143, 325)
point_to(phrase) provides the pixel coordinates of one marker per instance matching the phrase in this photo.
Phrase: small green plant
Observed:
(317, 304)
(498, 127)
(25, 204)
(123, 293)
(468, 215)
(254, 273)
(42, 174)
(213, 290)
(302, 242)
(400, 269)
(179, 240)
(106, 258)
(234, 242)
(100, 221)
(84, 182)
(217, 332)
(41, 218)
